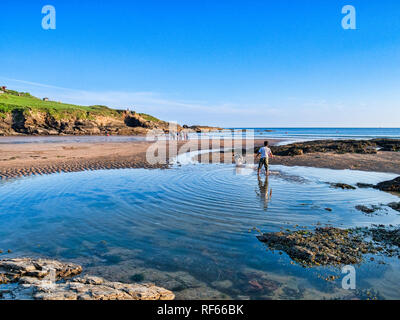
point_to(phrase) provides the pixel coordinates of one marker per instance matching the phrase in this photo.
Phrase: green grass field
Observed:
(149, 117)
(11, 101)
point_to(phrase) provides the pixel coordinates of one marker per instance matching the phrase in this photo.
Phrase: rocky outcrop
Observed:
(391, 185)
(33, 122)
(343, 186)
(324, 246)
(387, 144)
(367, 210)
(199, 129)
(364, 185)
(337, 146)
(395, 206)
(12, 270)
(44, 279)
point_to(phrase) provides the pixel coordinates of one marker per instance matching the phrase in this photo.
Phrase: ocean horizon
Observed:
(324, 133)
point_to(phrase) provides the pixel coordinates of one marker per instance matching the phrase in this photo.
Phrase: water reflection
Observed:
(263, 191)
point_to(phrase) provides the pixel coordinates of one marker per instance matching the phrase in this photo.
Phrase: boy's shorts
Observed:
(263, 162)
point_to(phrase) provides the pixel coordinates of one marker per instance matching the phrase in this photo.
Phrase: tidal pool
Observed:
(190, 228)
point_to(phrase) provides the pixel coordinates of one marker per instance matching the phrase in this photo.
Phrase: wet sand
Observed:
(17, 160)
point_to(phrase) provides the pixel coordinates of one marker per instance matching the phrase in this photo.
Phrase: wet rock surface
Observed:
(395, 206)
(391, 185)
(337, 146)
(368, 210)
(387, 144)
(364, 185)
(324, 246)
(385, 238)
(44, 279)
(343, 186)
(329, 246)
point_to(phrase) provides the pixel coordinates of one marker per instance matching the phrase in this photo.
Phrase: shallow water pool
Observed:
(190, 228)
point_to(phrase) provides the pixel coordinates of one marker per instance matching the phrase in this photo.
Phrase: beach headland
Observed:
(24, 114)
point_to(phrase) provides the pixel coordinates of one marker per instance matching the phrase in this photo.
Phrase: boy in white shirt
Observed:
(265, 153)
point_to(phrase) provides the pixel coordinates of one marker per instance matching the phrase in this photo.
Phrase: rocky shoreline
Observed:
(44, 279)
(330, 246)
(338, 146)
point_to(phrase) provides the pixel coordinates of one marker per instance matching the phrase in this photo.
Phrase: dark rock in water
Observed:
(391, 185)
(137, 277)
(328, 209)
(388, 238)
(367, 210)
(388, 144)
(343, 186)
(324, 246)
(395, 206)
(334, 246)
(365, 185)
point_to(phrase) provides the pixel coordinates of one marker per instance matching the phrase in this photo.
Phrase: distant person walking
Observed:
(265, 153)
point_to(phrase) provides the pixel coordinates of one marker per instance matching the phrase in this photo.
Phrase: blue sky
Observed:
(213, 62)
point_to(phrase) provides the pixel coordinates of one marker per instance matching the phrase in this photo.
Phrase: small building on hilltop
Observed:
(45, 99)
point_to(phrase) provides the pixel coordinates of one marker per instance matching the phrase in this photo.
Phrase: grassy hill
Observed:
(22, 113)
(13, 100)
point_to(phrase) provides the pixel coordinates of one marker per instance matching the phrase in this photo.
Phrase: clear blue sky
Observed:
(214, 62)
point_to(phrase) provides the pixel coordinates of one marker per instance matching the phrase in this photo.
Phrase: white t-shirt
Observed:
(265, 152)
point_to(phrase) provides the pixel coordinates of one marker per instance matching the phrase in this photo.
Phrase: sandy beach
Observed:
(17, 160)
(45, 158)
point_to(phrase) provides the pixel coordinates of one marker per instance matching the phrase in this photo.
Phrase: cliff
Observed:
(23, 114)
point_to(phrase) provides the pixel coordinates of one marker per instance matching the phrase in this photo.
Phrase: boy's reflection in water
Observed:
(263, 193)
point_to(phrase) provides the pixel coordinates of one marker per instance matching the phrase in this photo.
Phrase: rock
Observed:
(222, 285)
(116, 122)
(366, 209)
(44, 279)
(295, 152)
(364, 185)
(388, 144)
(386, 239)
(395, 206)
(324, 246)
(335, 146)
(13, 269)
(391, 185)
(343, 186)
(199, 129)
